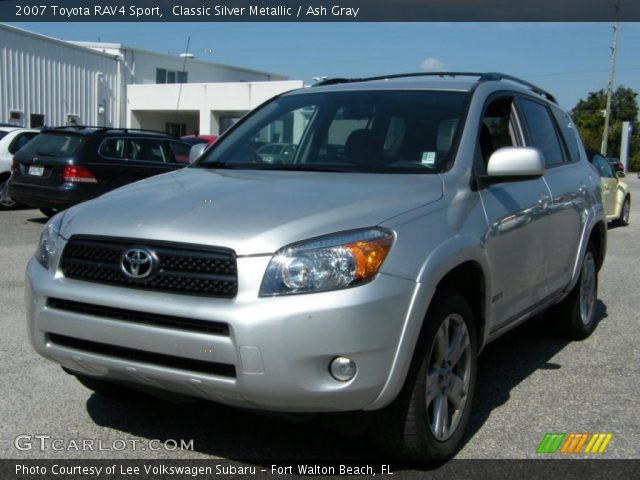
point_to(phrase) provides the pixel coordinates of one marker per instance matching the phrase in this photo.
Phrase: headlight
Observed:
(47, 247)
(327, 263)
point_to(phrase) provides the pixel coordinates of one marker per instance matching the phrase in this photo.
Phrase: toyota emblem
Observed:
(138, 263)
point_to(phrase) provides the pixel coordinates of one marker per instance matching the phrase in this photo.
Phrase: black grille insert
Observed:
(182, 268)
(213, 368)
(188, 324)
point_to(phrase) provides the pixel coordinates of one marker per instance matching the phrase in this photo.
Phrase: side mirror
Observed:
(515, 162)
(620, 174)
(196, 151)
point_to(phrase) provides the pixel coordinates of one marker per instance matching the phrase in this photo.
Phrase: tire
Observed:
(6, 202)
(49, 212)
(623, 220)
(103, 387)
(410, 428)
(575, 316)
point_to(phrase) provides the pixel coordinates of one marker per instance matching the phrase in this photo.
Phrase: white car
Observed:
(12, 139)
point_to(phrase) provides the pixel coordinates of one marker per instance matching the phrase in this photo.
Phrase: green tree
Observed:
(589, 118)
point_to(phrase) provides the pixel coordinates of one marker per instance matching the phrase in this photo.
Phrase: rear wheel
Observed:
(428, 418)
(575, 316)
(623, 219)
(49, 212)
(6, 202)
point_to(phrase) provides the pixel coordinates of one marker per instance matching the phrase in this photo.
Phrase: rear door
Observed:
(564, 175)
(107, 161)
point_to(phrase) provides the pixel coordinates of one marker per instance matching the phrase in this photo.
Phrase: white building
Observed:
(46, 81)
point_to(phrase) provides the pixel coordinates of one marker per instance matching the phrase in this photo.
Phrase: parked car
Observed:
(616, 197)
(420, 217)
(616, 164)
(276, 152)
(196, 139)
(68, 165)
(11, 140)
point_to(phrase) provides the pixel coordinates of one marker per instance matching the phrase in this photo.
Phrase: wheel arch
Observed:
(461, 266)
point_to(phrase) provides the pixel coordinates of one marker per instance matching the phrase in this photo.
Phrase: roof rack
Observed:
(482, 77)
(106, 129)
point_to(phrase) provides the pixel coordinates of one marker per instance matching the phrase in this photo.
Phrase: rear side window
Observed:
(54, 144)
(112, 148)
(569, 133)
(542, 132)
(604, 169)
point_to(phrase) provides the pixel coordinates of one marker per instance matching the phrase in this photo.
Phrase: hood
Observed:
(250, 211)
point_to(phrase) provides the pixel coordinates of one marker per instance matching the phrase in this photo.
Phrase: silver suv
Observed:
(417, 218)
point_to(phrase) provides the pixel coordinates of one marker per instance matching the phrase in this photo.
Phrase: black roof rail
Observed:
(105, 129)
(496, 76)
(333, 81)
(482, 77)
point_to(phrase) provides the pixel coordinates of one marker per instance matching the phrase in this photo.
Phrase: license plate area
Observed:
(36, 171)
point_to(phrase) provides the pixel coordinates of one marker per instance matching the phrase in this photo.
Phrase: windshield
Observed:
(383, 131)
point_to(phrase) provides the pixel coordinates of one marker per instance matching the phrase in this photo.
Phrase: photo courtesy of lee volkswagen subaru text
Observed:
(417, 218)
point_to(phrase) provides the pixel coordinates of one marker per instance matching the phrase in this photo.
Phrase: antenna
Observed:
(607, 111)
(185, 56)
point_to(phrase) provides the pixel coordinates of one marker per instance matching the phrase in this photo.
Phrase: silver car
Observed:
(419, 218)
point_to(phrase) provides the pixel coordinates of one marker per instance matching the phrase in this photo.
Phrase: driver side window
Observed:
(497, 128)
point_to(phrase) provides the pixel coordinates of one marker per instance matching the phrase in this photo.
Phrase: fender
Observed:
(444, 258)
(594, 215)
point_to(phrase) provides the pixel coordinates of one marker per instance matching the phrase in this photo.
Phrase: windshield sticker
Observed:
(429, 158)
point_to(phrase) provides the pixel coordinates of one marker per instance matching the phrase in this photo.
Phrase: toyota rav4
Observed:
(418, 218)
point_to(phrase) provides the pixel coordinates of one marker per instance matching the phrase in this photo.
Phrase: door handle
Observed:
(582, 188)
(544, 200)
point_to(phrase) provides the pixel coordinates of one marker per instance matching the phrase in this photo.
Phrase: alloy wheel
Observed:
(448, 377)
(587, 288)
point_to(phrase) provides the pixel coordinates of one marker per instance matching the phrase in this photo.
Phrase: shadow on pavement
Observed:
(242, 435)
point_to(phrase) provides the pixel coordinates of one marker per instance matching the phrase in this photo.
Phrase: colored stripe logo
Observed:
(574, 443)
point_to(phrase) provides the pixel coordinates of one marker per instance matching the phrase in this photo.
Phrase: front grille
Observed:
(182, 268)
(179, 323)
(213, 368)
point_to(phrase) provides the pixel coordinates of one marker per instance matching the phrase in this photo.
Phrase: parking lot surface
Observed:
(529, 383)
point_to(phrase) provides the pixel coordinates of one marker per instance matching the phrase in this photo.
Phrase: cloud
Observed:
(432, 64)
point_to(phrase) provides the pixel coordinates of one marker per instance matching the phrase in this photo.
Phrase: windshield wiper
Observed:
(223, 165)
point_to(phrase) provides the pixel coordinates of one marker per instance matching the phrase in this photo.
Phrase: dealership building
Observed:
(46, 81)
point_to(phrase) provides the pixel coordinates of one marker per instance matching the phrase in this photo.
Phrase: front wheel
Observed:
(428, 418)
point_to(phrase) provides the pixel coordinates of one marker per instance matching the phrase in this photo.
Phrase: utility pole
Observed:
(607, 111)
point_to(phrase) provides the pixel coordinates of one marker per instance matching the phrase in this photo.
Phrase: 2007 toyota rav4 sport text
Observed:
(417, 218)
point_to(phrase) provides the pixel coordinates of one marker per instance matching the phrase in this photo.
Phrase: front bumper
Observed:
(280, 347)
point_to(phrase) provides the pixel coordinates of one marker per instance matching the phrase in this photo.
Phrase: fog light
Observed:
(343, 369)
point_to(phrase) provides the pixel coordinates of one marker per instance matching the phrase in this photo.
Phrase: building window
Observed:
(176, 129)
(170, 76)
(36, 120)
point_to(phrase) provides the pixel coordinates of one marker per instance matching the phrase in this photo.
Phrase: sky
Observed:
(568, 59)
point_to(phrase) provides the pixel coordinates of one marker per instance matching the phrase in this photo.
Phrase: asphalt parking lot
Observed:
(530, 383)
